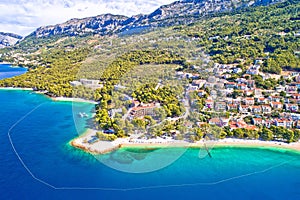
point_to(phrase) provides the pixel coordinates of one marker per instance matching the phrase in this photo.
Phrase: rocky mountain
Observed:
(8, 39)
(179, 12)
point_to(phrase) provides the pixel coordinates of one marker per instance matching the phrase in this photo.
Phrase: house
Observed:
(241, 80)
(232, 107)
(201, 93)
(262, 100)
(258, 121)
(268, 123)
(237, 101)
(193, 88)
(291, 107)
(257, 92)
(276, 105)
(266, 109)
(238, 124)
(253, 70)
(220, 106)
(279, 88)
(195, 76)
(209, 103)
(286, 74)
(199, 83)
(209, 85)
(291, 89)
(237, 70)
(228, 100)
(256, 109)
(219, 121)
(241, 124)
(279, 122)
(274, 98)
(248, 101)
(248, 92)
(296, 96)
(230, 85)
(297, 124)
(244, 109)
(297, 84)
(250, 83)
(241, 86)
(289, 123)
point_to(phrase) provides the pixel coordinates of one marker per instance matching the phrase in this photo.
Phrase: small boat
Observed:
(82, 114)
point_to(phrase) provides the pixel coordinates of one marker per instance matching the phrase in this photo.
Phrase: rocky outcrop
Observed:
(8, 39)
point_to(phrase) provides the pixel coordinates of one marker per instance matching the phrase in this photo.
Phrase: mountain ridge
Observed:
(163, 16)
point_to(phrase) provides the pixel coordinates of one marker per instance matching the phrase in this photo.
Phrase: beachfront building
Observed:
(286, 123)
(258, 121)
(221, 122)
(140, 110)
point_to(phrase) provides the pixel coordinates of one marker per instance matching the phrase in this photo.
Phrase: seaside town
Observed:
(245, 99)
(249, 103)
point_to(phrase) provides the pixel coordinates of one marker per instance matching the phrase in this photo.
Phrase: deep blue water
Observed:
(8, 71)
(41, 140)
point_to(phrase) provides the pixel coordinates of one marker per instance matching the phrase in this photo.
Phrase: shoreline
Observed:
(71, 99)
(5, 63)
(16, 88)
(62, 99)
(103, 147)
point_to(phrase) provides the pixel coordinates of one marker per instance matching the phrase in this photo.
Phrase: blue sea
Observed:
(7, 71)
(37, 162)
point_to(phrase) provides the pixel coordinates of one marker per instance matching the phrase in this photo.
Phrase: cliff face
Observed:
(8, 39)
(178, 12)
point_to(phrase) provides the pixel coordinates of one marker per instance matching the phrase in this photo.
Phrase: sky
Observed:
(24, 16)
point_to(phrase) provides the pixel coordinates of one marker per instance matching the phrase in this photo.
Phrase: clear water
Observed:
(41, 140)
(8, 71)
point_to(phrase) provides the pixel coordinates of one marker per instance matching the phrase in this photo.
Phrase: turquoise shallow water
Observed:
(41, 140)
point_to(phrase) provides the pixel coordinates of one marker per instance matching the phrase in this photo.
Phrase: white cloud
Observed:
(24, 16)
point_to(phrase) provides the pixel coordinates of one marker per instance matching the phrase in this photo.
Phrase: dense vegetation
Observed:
(166, 96)
(60, 68)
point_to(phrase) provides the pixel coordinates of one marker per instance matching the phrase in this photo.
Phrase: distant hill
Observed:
(179, 12)
(8, 39)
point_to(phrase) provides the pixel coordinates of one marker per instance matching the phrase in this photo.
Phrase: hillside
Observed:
(269, 33)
